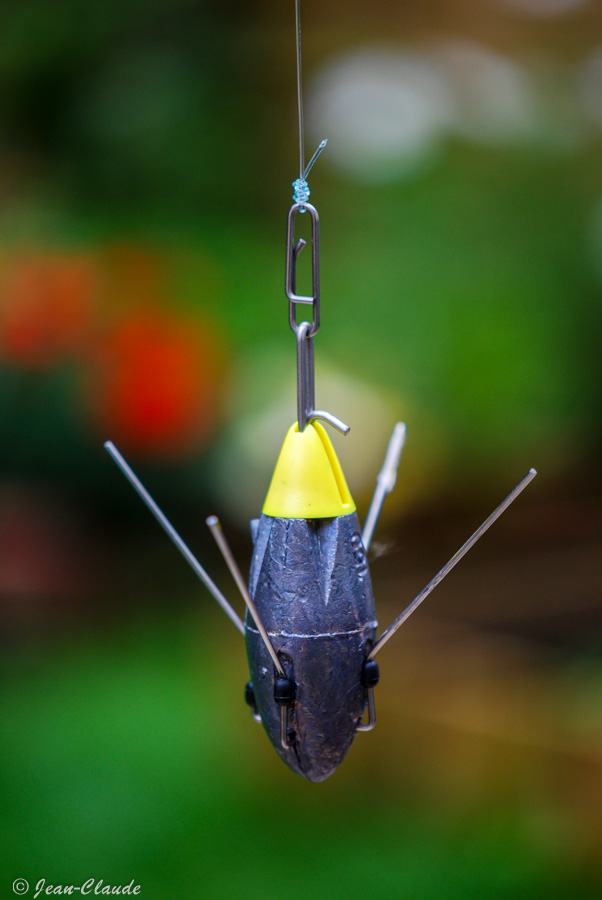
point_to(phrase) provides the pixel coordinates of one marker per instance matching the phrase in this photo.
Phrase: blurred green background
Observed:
(147, 151)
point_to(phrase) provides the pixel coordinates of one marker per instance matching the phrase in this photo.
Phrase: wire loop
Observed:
(292, 252)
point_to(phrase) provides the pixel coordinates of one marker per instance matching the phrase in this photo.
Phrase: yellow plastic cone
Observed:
(308, 482)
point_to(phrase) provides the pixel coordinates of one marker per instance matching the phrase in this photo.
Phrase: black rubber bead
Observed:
(250, 695)
(284, 691)
(370, 673)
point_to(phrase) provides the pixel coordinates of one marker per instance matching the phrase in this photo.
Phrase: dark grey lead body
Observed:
(311, 585)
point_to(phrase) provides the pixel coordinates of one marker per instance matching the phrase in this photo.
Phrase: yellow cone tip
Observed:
(308, 482)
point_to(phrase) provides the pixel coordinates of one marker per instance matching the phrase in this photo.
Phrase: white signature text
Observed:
(91, 886)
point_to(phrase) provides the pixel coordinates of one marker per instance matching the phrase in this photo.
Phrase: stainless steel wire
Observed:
(305, 331)
(385, 481)
(390, 631)
(173, 535)
(215, 527)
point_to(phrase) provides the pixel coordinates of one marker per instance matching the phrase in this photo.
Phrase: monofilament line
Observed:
(299, 91)
(301, 188)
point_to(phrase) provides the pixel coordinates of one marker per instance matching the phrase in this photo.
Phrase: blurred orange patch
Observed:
(156, 383)
(46, 308)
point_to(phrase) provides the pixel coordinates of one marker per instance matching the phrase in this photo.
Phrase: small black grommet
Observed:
(284, 691)
(250, 695)
(370, 673)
